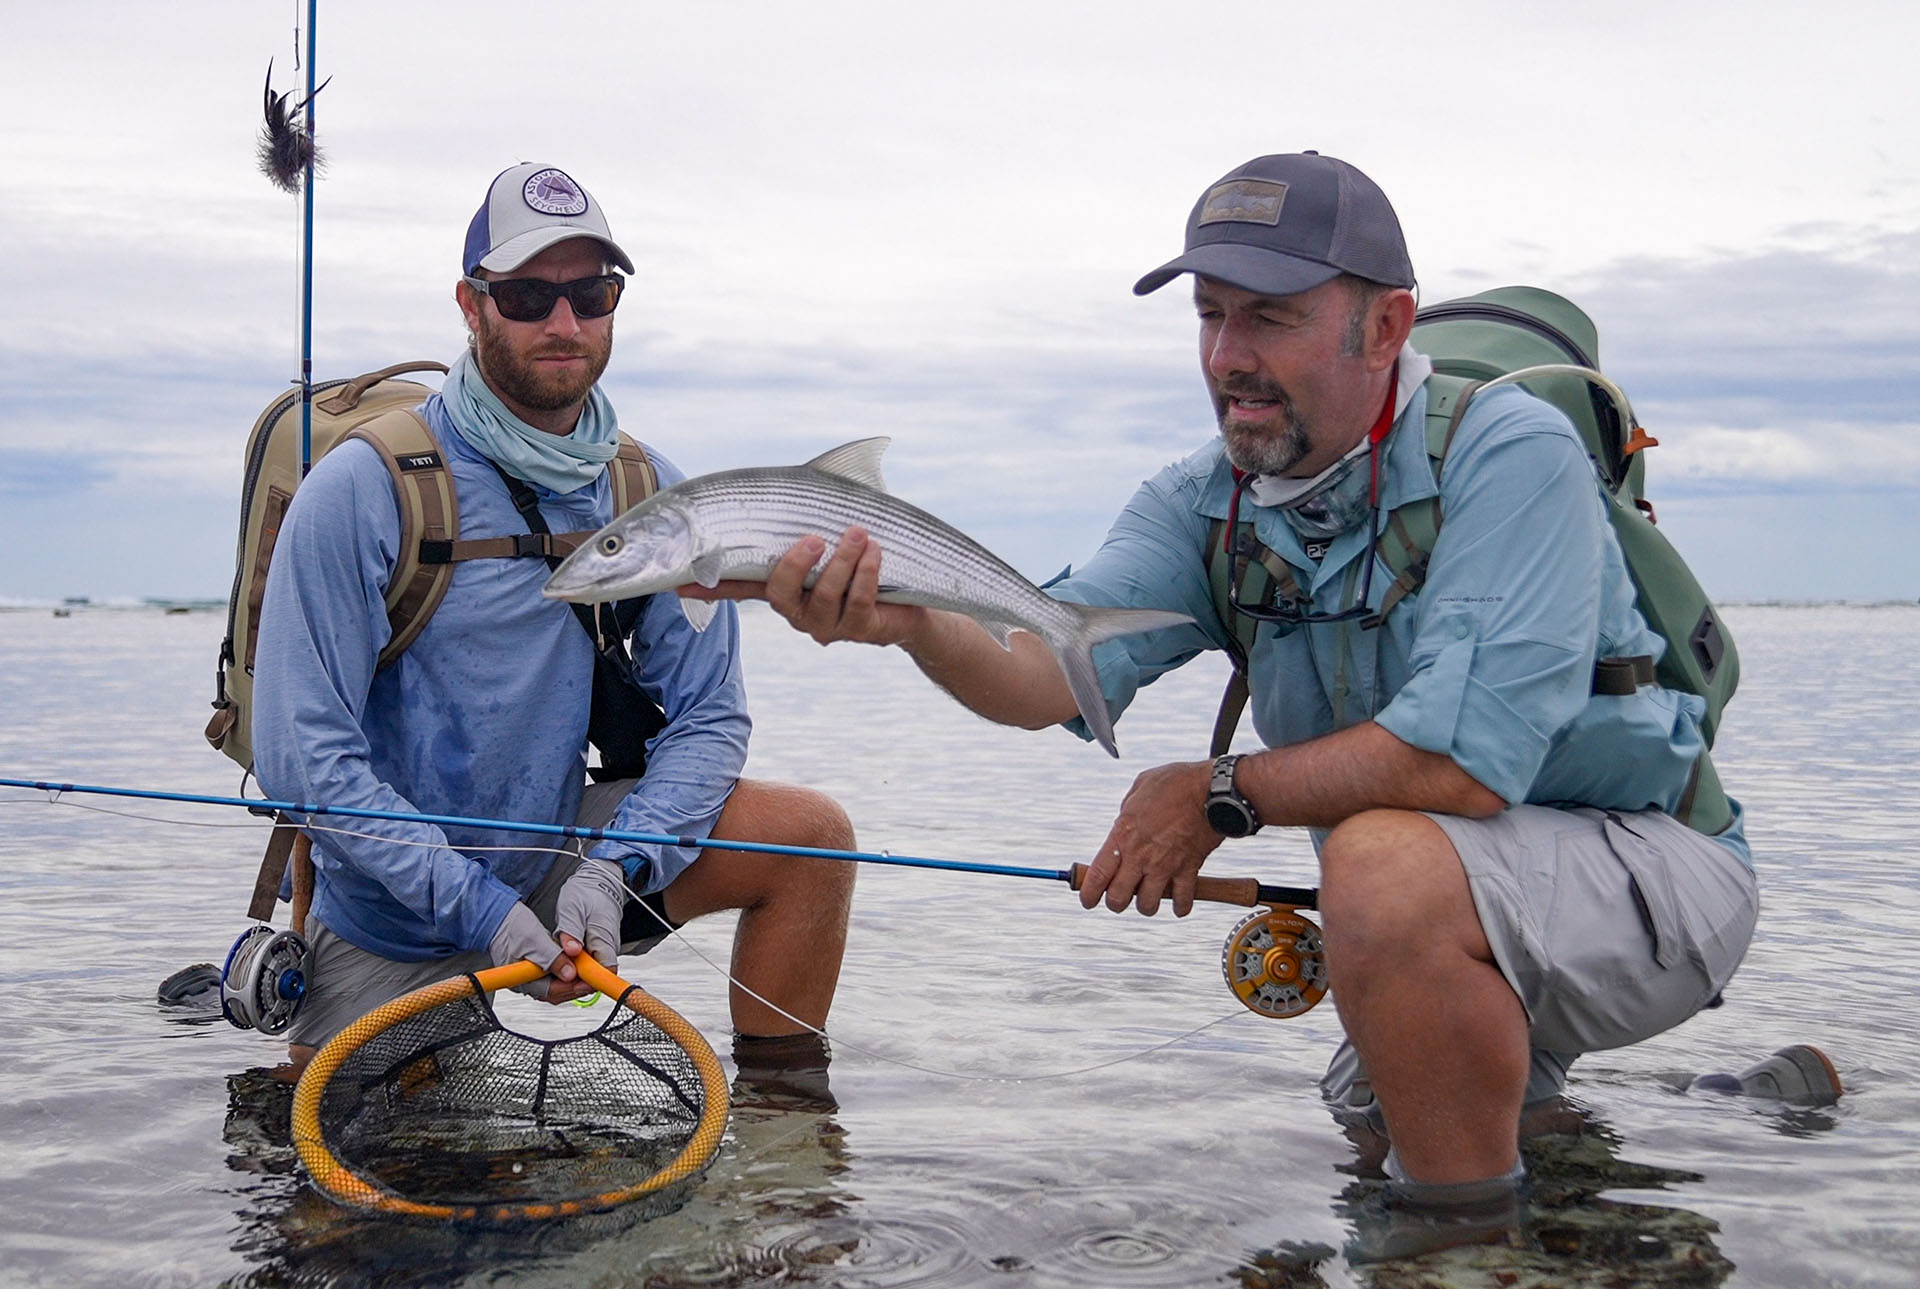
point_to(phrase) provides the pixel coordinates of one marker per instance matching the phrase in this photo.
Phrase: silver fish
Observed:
(737, 524)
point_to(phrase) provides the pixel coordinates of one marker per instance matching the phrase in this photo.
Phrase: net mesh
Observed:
(430, 1106)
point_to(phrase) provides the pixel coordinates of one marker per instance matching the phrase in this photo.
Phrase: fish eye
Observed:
(611, 544)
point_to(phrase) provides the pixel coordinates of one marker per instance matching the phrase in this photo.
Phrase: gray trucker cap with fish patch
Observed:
(1286, 223)
(530, 207)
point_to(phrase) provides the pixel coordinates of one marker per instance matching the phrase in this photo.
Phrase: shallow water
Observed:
(1008, 1114)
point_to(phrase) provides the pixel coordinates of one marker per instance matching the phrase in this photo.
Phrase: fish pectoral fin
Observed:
(858, 461)
(699, 612)
(706, 569)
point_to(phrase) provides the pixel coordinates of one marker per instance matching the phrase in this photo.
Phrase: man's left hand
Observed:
(1157, 845)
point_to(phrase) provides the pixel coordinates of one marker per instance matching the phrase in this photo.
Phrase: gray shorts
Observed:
(1611, 928)
(345, 982)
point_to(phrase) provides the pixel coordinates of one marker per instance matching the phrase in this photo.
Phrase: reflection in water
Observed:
(1167, 1170)
(767, 1209)
(1568, 1237)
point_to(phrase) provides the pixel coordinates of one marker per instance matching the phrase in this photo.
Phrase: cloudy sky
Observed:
(923, 220)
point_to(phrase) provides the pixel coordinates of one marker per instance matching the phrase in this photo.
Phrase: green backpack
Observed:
(1545, 343)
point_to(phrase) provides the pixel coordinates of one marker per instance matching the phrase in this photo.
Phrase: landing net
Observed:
(429, 1107)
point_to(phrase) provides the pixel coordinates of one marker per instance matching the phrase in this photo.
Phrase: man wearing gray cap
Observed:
(488, 712)
(1503, 883)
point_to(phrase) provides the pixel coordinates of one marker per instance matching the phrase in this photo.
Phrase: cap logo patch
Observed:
(551, 192)
(1244, 201)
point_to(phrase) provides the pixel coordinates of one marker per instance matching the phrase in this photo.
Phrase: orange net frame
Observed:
(429, 1107)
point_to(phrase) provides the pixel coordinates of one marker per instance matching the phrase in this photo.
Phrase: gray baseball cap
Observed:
(529, 207)
(1286, 223)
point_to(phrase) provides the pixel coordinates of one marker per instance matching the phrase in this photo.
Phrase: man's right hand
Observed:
(1020, 685)
(842, 604)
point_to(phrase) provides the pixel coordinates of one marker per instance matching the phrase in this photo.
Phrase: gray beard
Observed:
(1266, 453)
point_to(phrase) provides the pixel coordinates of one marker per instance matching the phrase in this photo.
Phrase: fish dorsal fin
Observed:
(858, 461)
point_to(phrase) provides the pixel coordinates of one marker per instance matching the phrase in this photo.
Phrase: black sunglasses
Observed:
(1296, 611)
(531, 299)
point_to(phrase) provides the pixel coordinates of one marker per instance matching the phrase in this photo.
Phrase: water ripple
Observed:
(1164, 1170)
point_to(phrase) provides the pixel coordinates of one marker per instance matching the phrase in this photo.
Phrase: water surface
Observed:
(1008, 1113)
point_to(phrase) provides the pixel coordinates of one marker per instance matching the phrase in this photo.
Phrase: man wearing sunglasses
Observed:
(1503, 882)
(486, 714)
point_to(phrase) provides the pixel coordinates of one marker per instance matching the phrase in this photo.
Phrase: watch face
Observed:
(1228, 817)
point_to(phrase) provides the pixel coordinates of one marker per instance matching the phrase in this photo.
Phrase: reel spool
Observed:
(264, 980)
(1275, 964)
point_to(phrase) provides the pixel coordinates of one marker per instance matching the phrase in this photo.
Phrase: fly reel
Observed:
(264, 980)
(1274, 963)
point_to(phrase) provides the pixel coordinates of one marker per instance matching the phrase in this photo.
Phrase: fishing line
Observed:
(55, 797)
(837, 1041)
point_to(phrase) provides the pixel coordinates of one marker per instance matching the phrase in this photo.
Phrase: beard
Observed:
(519, 378)
(1262, 451)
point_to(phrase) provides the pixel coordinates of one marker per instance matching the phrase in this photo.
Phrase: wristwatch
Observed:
(1229, 813)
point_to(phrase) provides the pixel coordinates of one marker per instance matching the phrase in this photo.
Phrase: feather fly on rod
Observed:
(287, 150)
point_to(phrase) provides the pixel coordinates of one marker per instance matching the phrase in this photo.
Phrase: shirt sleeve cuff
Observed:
(1443, 709)
(1426, 711)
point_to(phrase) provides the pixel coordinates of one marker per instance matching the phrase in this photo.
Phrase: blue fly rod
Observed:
(1220, 890)
(306, 265)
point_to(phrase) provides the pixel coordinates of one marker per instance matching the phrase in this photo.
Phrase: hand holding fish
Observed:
(1156, 847)
(842, 603)
(758, 525)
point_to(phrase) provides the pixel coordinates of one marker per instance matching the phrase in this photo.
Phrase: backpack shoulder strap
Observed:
(632, 478)
(429, 512)
(1240, 566)
(1412, 529)
(1405, 547)
(1220, 573)
(632, 475)
(1239, 632)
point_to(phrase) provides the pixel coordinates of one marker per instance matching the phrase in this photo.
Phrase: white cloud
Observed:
(861, 217)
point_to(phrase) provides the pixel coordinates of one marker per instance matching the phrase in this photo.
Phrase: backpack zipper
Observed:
(1458, 311)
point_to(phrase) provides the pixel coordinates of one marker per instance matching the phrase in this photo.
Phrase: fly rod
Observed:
(306, 256)
(290, 158)
(1245, 891)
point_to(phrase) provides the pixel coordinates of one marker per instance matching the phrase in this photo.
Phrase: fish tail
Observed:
(1095, 624)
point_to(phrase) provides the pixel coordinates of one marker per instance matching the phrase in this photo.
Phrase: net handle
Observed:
(347, 1187)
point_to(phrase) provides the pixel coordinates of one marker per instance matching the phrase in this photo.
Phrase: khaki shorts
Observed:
(1611, 928)
(345, 982)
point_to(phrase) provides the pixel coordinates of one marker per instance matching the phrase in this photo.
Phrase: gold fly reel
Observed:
(1274, 963)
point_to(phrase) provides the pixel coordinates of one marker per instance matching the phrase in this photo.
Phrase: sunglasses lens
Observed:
(594, 297)
(524, 299)
(531, 300)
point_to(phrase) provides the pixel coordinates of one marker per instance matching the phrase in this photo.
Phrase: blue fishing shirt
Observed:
(484, 716)
(1490, 663)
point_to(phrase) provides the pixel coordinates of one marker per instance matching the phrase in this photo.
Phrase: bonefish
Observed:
(737, 524)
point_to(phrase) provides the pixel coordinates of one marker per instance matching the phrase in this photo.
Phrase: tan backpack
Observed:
(379, 409)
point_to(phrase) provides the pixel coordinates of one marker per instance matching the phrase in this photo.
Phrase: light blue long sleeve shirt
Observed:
(1490, 663)
(485, 715)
